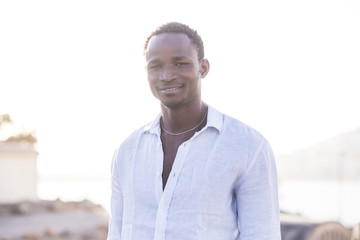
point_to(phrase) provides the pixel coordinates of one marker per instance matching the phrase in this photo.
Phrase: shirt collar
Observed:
(154, 126)
(214, 120)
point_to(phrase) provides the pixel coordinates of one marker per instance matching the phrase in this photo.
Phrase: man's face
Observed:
(173, 69)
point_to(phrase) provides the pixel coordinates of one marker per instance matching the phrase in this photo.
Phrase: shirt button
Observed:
(158, 174)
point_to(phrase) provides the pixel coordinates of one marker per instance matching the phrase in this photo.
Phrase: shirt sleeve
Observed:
(257, 197)
(116, 203)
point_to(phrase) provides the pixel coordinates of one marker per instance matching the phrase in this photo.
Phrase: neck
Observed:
(182, 119)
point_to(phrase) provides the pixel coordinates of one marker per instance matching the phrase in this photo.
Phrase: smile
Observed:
(169, 89)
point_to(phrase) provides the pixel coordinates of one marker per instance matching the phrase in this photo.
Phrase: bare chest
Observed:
(170, 147)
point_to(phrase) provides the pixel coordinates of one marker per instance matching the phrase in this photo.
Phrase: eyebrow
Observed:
(176, 58)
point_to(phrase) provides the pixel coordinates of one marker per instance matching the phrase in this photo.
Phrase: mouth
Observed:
(170, 89)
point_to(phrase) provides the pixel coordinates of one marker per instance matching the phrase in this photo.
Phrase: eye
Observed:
(154, 67)
(181, 64)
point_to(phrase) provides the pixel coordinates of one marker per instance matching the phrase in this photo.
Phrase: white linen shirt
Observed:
(222, 186)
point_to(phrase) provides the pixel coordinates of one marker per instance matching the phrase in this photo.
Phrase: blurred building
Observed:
(335, 159)
(18, 172)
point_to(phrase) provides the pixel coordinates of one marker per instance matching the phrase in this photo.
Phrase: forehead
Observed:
(166, 44)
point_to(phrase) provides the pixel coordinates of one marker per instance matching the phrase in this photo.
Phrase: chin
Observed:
(172, 104)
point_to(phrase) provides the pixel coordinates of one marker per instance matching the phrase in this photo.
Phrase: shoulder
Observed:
(125, 152)
(236, 135)
(132, 139)
(251, 143)
(241, 131)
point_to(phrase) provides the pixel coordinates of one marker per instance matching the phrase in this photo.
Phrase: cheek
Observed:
(151, 79)
(152, 76)
(152, 85)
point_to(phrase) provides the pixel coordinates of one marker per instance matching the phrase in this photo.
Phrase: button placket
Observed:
(158, 171)
(167, 194)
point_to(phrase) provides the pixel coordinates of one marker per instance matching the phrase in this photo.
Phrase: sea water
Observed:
(315, 200)
(322, 200)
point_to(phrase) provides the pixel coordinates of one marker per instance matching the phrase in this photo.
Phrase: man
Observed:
(193, 173)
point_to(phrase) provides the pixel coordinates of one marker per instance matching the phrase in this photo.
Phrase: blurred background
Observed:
(72, 75)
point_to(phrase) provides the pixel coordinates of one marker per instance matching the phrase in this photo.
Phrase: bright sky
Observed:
(74, 71)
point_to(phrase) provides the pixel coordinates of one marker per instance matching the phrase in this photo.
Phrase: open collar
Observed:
(214, 120)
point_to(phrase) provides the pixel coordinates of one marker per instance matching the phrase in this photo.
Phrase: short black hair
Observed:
(175, 27)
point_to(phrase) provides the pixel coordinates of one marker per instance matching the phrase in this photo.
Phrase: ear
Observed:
(204, 67)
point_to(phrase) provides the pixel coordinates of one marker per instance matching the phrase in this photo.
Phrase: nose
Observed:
(166, 74)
